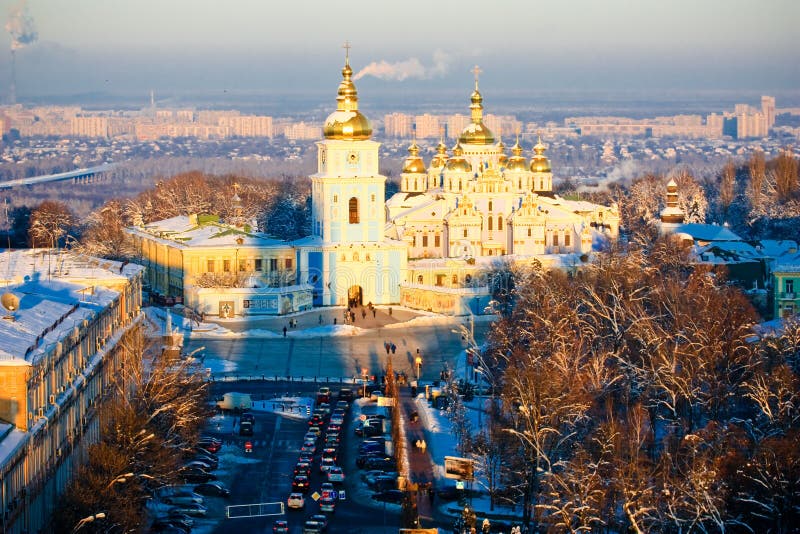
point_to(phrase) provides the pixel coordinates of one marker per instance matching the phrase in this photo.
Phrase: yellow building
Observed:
(63, 317)
(195, 257)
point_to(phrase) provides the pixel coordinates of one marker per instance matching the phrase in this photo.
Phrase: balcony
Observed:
(786, 295)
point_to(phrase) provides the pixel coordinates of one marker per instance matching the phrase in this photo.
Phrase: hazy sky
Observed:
(255, 46)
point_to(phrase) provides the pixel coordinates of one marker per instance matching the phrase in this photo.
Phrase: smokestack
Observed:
(23, 32)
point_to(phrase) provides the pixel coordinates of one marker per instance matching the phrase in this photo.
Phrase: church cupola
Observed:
(539, 162)
(347, 122)
(476, 133)
(517, 161)
(457, 162)
(502, 158)
(672, 214)
(413, 163)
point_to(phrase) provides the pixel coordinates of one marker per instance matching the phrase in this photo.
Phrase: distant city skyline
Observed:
(183, 47)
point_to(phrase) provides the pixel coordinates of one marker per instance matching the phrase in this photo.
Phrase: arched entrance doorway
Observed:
(354, 296)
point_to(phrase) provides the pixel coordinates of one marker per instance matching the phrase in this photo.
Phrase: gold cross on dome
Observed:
(347, 48)
(476, 71)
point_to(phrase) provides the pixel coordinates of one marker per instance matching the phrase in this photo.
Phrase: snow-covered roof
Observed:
(11, 440)
(706, 232)
(774, 248)
(187, 232)
(788, 267)
(63, 265)
(48, 311)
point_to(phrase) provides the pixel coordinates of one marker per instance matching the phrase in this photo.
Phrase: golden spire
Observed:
(347, 122)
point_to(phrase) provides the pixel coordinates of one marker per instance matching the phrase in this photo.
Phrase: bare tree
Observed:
(758, 174)
(49, 224)
(785, 175)
(727, 187)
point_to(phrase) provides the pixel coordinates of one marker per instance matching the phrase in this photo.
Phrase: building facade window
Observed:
(226, 266)
(455, 280)
(425, 241)
(436, 241)
(335, 199)
(499, 222)
(353, 206)
(489, 221)
(555, 240)
(258, 264)
(419, 279)
(529, 232)
(566, 240)
(465, 232)
(273, 264)
(210, 266)
(788, 286)
(289, 263)
(490, 205)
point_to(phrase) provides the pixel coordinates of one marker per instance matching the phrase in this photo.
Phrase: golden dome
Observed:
(440, 159)
(539, 162)
(457, 162)
(516, 162)
(413, 163)
(502, 158)
(347, 122)
(476, 133)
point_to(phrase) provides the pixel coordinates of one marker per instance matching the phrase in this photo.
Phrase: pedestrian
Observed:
(390, 311)
(486, 527)
(320, 318)
(353, 316)
(387, 347)
(284, 331)
(363, 313)
(374, 311)
(334, 321)
(394, 348)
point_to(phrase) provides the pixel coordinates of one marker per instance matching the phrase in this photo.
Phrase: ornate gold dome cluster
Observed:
(347, 122)
(457, 161)
(516, 162)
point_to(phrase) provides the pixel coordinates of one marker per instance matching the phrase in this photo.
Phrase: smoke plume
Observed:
(409, 68)
(20, 26)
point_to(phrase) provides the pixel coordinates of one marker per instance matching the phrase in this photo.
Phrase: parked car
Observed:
(182, 497)
(194, 509)
(302, 468)
(335, 474)
(322, 518)
(160, 523)
(212, 446)
(392, 495)
(200, 464)
(313, 527)
(213, 489)
(362, 459)
(384, 463)
(326, 463)
(370, 476)
(196, 475)
(207, 458)
(248, 417)
(160, 527)
(179, 517)
(371, 446)
(346, 394)
(280, 527)
(327, 505)
(301, 484)
(296, 501)
(383, 483)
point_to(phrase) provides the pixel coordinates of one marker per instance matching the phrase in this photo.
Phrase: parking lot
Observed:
(260, 468)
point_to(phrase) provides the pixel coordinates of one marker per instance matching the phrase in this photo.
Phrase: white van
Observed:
(235, 402)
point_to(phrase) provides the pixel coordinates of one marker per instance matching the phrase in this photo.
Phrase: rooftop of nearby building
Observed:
(706, 232)
(190, 231)
(53, 264)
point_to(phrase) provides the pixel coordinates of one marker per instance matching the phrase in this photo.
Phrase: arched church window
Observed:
(419, 279)
(355, 256)
(490, 205)
(455, 279)
(353, 210)
(520, 184)
(490, 222)
(499, 222)
(367, 258)
(459, 185)
(335, 199)
(465, 232)
(566, 240)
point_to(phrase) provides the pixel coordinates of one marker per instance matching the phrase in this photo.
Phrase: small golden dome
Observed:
(539, 162)
(517, 162)
(502, 158)
(413, 163)
(458, 162)
(347, 122)
(440, 159)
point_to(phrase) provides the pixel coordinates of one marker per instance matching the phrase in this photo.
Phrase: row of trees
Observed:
(758, 198)
(152, 412)
(633, 395)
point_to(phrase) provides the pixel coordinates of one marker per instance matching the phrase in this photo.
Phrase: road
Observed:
(265, 475)
(335, 356)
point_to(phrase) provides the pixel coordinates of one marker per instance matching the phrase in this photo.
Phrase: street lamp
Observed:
(418, 361)
(79, 525)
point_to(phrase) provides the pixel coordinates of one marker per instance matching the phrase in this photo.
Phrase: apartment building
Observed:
(63, 319)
